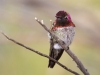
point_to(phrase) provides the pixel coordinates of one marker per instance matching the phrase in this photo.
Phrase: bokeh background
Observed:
(17, 21)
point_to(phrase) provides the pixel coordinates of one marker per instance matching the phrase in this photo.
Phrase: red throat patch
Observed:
(67, 25)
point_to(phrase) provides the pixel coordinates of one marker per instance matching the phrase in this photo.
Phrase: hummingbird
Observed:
(63, 28)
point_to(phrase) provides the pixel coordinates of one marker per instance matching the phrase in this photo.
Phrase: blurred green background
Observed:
(17, 21)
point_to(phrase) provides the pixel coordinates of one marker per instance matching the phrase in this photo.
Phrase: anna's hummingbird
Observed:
(63, 28)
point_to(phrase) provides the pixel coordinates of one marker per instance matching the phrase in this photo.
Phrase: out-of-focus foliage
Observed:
(17, 21)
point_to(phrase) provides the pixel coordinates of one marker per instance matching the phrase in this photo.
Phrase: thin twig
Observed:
(72, 55)
(41, 54)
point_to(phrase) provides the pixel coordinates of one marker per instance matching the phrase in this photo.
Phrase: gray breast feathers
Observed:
(66, 34)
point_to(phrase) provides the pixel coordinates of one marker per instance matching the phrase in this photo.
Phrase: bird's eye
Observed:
(65, 17)
(58, 17)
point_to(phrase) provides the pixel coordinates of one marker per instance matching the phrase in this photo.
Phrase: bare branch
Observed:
(72, 55)
(41, 54)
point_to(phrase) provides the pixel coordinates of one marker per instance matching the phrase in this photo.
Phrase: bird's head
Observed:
(63, 18)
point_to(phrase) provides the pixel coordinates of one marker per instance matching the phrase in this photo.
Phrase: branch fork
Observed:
(73, 56)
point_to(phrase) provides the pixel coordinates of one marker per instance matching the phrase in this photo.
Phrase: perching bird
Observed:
(63, 28)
